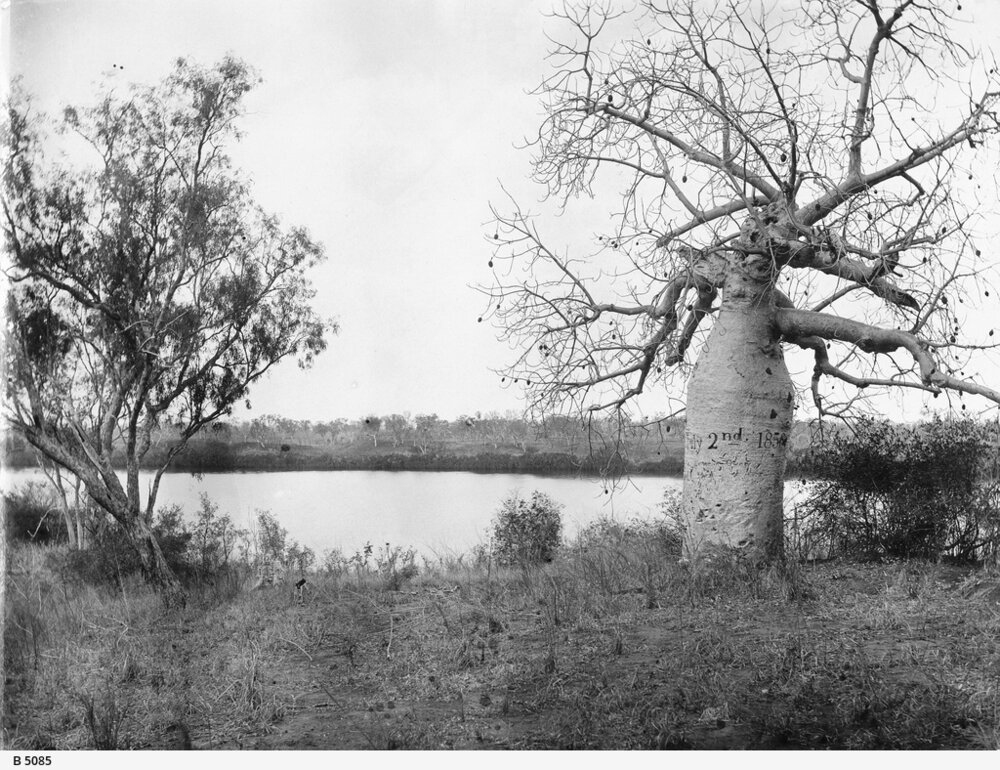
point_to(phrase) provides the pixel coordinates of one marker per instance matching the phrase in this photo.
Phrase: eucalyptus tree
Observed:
(785, 175)
(147, 288)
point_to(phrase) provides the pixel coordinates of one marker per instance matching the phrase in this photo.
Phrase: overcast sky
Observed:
(385, 128)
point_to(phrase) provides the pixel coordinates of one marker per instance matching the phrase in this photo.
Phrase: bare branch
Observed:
(804, 327)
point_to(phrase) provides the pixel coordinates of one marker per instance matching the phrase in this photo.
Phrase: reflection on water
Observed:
(434, 512)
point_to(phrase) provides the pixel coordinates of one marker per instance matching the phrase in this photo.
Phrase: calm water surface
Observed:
(433, 512)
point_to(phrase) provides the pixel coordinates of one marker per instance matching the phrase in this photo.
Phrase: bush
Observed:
(269, 540)
(111, 558)
(396, 565)
(335, 563)
(661, 536)
(31, 515)
(299, 558)
(214, 538)
(174, 538)
(527, 531)
(926, 490)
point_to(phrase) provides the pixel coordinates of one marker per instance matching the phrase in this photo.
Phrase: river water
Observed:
(436, 513)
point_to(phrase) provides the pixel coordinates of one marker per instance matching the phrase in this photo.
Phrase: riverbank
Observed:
(212, 457)
(209, 457)
(614, 645)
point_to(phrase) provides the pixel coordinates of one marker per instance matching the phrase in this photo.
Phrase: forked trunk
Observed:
(739, 416)
(154, 565)
(97, 477)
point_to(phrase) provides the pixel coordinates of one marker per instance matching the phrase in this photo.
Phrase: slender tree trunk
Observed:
(69, 512)
(80, 513)
(72, 536)
(81, 533)
(739, 417)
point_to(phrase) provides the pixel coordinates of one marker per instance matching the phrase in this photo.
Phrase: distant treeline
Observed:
(488, 443)
(211, 457)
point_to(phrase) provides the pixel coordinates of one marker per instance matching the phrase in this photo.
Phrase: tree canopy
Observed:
(830, 147)
(147, 286)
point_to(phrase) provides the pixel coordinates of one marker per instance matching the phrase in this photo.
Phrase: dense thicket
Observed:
(925, 490)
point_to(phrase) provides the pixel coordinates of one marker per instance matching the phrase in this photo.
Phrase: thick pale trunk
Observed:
(739, 417)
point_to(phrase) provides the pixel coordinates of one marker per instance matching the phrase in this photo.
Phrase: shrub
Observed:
(270, 539)
(110, 558)
(30, 515)
(616, 556)
(527, 531)
(359, 561)
(660, 536)
(174, 538)
(214, 538)
(299, 558)
(335, 563)
(925, 490)
(396, 566)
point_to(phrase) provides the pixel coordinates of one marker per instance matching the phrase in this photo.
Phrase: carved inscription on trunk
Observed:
(739, 417)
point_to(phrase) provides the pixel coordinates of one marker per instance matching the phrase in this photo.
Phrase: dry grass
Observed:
(102, 668)
(613, 645)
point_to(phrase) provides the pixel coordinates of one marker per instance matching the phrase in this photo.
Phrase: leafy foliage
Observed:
(527, 531)
(206, 548)
(396, 565)
(111, 558)
(299, 557)
(269, 538)
(148, 287)
(267, 542)
(28, 515)
(214, 537)
(925, 490)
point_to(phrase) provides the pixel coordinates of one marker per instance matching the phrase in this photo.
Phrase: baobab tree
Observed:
(797, 176)
(147, 289)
